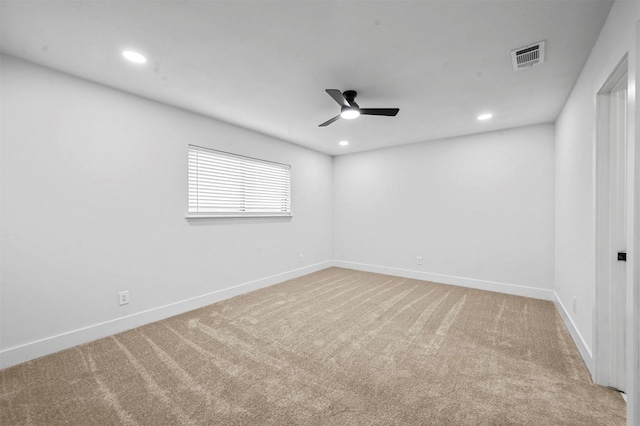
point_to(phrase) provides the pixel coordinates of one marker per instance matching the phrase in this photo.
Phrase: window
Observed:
(230, 185)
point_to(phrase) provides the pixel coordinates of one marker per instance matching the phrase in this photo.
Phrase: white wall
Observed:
(93, 202)
(478, 209)
(575, 173)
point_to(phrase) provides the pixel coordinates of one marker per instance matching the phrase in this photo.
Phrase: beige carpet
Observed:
(337, 347)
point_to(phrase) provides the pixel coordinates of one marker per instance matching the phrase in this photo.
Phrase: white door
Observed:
(618, 178)
(611, 176)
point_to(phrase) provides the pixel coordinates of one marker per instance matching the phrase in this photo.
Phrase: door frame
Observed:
(633, 232)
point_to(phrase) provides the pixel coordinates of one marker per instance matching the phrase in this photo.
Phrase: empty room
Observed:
(319, 212)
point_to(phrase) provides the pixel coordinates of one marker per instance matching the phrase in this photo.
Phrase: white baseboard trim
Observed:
(32, 350)
(513, 289)
(584, 350)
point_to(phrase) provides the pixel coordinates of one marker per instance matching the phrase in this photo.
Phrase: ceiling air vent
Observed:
(528, 56)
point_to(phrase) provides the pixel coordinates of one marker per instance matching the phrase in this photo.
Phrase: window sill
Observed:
(235, 216)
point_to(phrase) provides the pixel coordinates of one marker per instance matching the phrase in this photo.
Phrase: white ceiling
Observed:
(264, 65)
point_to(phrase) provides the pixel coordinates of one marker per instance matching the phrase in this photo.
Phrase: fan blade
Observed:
(337, 96)
(326, 123)
(391, 112)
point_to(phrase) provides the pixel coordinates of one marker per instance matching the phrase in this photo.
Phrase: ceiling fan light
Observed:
(349, 113)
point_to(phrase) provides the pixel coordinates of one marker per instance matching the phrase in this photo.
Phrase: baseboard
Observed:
(584, 350)
(516, 290)
(19, 354)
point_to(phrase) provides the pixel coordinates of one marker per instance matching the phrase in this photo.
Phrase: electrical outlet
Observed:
(419, 260)
(575, 304)
(123, 297)
(300, 258)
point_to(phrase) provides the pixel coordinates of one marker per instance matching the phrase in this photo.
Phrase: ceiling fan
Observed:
(350, 108)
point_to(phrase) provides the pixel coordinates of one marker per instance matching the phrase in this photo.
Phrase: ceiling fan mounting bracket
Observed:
(350, 95)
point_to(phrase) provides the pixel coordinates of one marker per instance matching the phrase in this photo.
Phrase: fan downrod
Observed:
(350, 96)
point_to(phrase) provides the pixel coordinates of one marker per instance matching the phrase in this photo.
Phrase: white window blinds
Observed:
(228, 185)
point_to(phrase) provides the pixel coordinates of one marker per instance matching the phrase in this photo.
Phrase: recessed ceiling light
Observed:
(134, 56)
(343, 143)
(485, 116)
